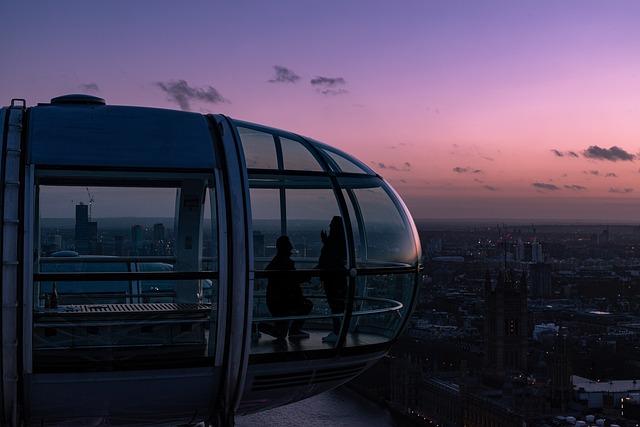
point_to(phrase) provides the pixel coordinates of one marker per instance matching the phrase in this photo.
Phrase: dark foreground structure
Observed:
(127, 318)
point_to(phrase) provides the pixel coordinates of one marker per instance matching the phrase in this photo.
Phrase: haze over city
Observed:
(471, 110)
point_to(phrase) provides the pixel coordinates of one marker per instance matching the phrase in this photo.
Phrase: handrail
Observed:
(396, 306)
(112, 259)
(124, 276)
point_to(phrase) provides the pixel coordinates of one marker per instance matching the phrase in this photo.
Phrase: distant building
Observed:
(540, 278)
(536, 252)
(136, 238)
(505, 325)
(158, 232)
(560, 370)
(520, 251)
(258, 244)
(118, 246)
(86, 232)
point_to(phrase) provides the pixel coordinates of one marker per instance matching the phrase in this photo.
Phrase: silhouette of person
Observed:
(333, 259)
(284, 294)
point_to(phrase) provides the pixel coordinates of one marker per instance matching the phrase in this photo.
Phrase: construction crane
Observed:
(91, 200)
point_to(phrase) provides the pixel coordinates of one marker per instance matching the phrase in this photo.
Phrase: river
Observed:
(337, 408)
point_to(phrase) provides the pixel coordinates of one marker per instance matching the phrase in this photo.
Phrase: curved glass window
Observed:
(342, 163)
(125, 272)
(385, 237)
(259, 149)
(296, 157)
(308, 293)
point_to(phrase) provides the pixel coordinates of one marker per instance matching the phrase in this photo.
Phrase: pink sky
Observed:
(488, 86)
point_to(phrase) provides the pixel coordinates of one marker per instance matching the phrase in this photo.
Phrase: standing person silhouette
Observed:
(284, 294)
(333, 260)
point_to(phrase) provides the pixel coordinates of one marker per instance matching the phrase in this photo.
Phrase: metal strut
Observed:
(9, 208)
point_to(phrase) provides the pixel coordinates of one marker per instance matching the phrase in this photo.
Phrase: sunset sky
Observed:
(478, 109)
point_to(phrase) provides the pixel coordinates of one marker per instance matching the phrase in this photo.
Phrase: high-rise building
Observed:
(258, 244)
(536, 252)
(560, 366)
(158, 232)
(505, 325)
(86, 237)
(540, 278)
(136, 238)
(520, 250)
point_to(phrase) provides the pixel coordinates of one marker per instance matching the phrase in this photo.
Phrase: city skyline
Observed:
(471, 110)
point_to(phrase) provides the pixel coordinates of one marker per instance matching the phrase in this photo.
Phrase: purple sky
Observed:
(474, 95)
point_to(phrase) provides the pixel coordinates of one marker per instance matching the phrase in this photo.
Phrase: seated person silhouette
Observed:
(284, 294)
(333, 260)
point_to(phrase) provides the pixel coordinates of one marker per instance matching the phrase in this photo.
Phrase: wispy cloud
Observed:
(490, 188)
(284, 75)
(559, 153)
(620, 190)
(545, 186)
(575, 187)
(592, 172)
(329, 85)
(459, 169)
(611, 175)
(612, 154)
(180, 92)
(399, 145)
(404, 167)
(90, 87)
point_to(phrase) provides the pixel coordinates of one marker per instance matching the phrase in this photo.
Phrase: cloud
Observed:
(399, 145)
(405, 167)
(612, 154)
(611, 175)
(459, 169)
(90, 87)
(559, 153)
(575, 187)
(479, 181)
(329, 85)
(284, 75)
(490, 188)
(620, 190)
(181, 93)
(545, 186)
(592, 172)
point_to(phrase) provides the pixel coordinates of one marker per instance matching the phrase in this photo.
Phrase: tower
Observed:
(505, 324)
(86, 237)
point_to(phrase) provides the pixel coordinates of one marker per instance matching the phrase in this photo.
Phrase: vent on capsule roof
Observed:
(78, 99)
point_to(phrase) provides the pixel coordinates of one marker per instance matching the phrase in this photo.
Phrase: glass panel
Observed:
(106, 221)
(132, 230)
(297, 157)
(112, 336)
(84, 292)
(298, 310)
(259, 149)
(380, 306)
(344, 164)
(388, 239)
(265, 209)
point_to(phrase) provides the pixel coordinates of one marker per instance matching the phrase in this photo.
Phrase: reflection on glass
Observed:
(83, 321)
(297, 157)
(344, 164)
(388, 237)
(259, 149)
(380, 305)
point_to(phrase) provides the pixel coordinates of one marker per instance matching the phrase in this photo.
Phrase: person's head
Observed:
(283, 246)
(336, 227)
